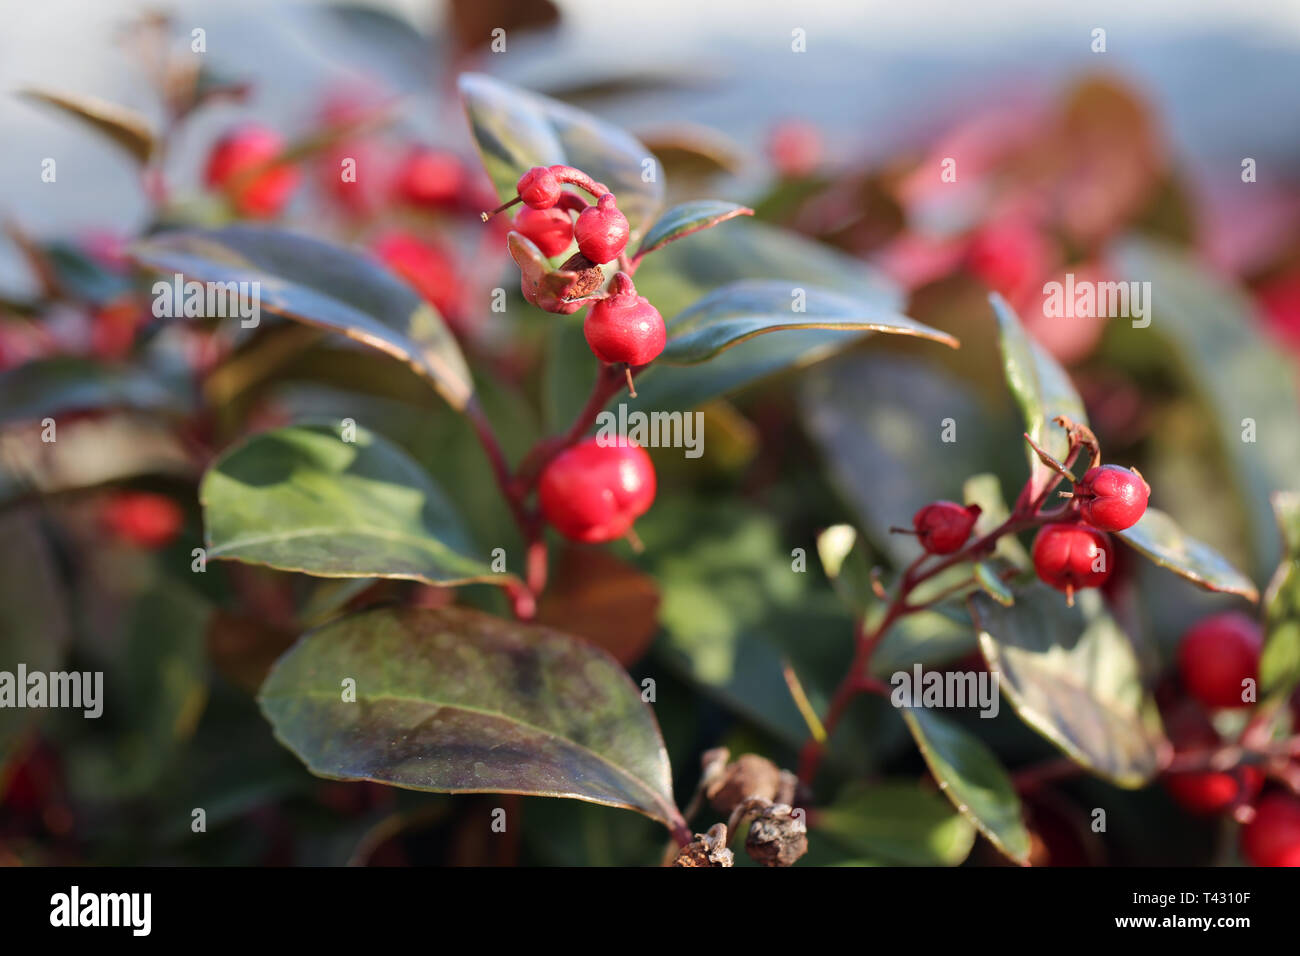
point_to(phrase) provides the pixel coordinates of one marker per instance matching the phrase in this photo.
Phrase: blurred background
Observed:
(1064, 156)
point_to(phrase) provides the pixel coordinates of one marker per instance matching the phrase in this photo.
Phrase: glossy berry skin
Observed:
(592, 492)
(1273, 837)
(1071, 557)
(144, 519)
(1216, 655)
(241, 151)
(539, 188)
(944, 526)
(1112, 498)
(624, 326)
(602, 231)
(1208, 792)
(551, 230)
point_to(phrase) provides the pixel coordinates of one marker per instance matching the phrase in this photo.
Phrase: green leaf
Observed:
(302, 499)
(125, 127)
(516, 129)
(846, 566)
(34, 625)
(324, 285)
(687, 218)
(970, 775)
(991, 583)
(90, 452)
(928, 638)
(1158, 537)
(1279, 667)
(742, 310)
(677, 276)
(456, 701)
(898, 821)
(1071, 674)
(1042, 389)
(53, 387)
(1239, 373)
(80, 276)
(878, 423)
(986, 491)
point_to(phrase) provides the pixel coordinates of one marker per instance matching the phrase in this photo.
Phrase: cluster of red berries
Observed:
(622, 328)
(1076, 552)
(1217, 660)
(1069, 554)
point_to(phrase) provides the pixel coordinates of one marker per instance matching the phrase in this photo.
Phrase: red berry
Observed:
(944, 526)
(602, 231)
(430, 178)
(551, 230)
(795, 147)
(593, 492)
(238, 153)
(1112, 498)
(1206, 792)
(1070, 557)
(429, 269)
(1273, 837)
(539, 188)
(1217, 655)
(144, 519)
(624, 326)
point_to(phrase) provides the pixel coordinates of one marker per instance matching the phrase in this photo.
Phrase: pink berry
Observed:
(602, 231)
(539, 188)
(624, 326)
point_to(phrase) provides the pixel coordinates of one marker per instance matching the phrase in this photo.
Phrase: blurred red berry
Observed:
(1010, 256)
(944, 526)
(426, 266)
(593, 492)
(142, 518)
(1272, 838)
(795, 148)
(430, 178)
(113, 329)
(1205, 792)
(1280, 301)
(1112, 498)
(1217, 655)
(232, 162)
(551, 230)
(1071, 557)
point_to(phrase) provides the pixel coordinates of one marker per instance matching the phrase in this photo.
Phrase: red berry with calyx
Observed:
(1272, 838)
(551, 230)
(593, 492)
(142, 518)
(231, 166)
(602, 230)
(1112, 498)
(539, 188)
(1206, 792)
(1071, 557)
(624, 326)
(1217, 656)
(944, 526)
